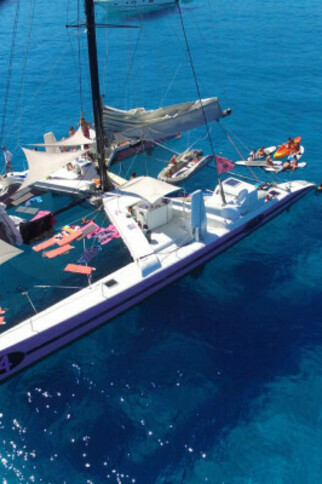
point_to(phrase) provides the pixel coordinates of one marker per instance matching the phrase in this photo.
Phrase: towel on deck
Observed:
(55, 252)
(79, 269)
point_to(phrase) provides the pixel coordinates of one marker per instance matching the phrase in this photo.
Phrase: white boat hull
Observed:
(66, 321)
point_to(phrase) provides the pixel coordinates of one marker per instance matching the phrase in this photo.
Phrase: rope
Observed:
(195, 78)
(239, 153)
(76, 57)
(79, 61)
(22, 82)
(222, 194)
(238, 139)
(13, 45)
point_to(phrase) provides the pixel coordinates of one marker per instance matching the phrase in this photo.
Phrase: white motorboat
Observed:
(184, 166)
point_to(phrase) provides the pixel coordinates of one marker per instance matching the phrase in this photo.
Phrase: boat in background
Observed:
(184, 166)
(133, 5)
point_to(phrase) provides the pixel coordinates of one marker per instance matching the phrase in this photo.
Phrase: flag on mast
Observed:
(223, 164)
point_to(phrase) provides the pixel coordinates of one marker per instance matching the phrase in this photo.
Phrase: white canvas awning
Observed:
(160, 123)
(8, 251)
(78, 139)
(42, 164)
(150, 189)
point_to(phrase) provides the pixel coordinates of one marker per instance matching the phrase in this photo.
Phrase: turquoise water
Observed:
(217, 378)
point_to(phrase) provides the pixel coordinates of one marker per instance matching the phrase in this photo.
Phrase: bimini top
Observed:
(148, 188)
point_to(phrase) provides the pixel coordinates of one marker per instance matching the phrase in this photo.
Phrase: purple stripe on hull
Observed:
(41, 345)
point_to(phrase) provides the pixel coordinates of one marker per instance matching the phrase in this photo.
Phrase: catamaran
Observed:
(167, 235)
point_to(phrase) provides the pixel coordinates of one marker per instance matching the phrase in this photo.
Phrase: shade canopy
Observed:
(150, 189)
(42, 164)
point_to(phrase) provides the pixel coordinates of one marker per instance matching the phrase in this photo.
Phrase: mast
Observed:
(96, 97)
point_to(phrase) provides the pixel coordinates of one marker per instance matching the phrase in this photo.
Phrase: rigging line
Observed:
(22, 82)
(13, 45)
(48, 286)
(76, 64)
(39, 89)
(195, 78)
(136, 45)
(79, 61)
(238, 139)
(170, 85)
(25, 293)
(239, 153)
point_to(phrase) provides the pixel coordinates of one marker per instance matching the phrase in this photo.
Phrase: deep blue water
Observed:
(217, 378)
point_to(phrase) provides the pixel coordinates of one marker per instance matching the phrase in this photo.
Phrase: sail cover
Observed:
(78, 139)
(42, 164)
(159, 123)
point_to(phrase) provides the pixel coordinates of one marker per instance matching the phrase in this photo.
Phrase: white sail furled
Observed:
(42, 164)
(160, 123)
(78, 139)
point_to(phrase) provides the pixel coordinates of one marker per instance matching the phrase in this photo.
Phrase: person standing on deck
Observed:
(7, 159)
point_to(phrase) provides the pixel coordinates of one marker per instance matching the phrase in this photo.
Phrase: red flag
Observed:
(223, 164)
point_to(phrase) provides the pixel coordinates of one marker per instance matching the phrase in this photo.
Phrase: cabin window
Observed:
(111, 283)
(232, 182)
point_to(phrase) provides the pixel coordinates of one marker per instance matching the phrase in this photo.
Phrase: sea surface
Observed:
(218, 378)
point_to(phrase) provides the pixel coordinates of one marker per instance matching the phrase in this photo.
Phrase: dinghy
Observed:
(184, 166)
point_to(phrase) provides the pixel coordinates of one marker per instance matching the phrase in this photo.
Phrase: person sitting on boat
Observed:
(252, 155)
(7, 159)
(296, 147)
(84, 125)
(71, 133)
(260, 152)
(294, 163)
(133, 175)
(290, 144)
(287, 165)
(269, 161)
(172, 165)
